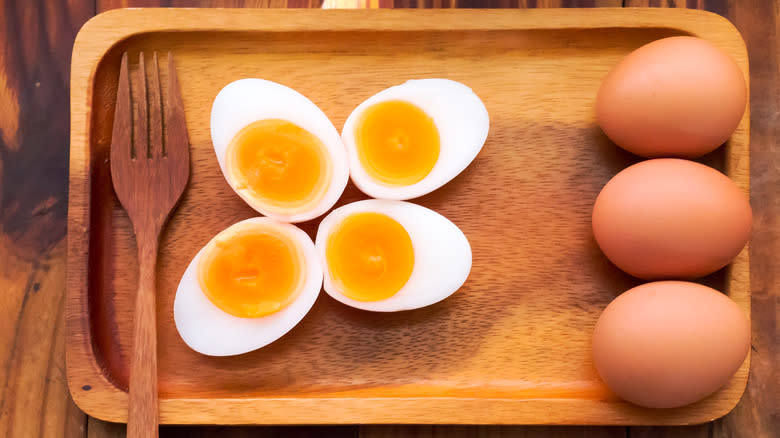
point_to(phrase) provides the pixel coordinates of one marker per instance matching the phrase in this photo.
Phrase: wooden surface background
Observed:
(36, 38)
(527, 351)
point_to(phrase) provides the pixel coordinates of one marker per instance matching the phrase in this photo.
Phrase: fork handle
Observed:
(142, 415)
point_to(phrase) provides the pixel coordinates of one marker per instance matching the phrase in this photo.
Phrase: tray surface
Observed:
(513, 345)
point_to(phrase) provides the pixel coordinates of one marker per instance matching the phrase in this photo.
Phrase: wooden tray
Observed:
(513, 345)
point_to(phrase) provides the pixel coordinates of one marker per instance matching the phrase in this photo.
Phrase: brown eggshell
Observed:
(669, 218)
(669, 343)
(674, 97)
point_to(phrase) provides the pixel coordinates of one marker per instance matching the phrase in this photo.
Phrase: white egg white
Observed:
(442, 254)
(208, 330)
(248, 100)
(460, 117)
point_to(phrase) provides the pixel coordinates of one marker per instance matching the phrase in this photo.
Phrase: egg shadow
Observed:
(617, 158)
(612, 279)
(613, 156)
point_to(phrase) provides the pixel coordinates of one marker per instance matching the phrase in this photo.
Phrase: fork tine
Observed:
(176, 138)
(121, 139)
(141, 125)
(156, 145)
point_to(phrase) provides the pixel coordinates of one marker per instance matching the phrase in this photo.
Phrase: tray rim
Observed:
(107, 402)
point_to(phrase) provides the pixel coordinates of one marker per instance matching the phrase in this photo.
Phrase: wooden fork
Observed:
(149, 175)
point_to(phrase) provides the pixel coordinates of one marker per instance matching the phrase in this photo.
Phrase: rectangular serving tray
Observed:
(513, 345)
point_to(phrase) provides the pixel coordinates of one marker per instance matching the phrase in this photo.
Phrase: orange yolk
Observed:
(281, 164)
(370, 256)
(397, 142)
(252, 272)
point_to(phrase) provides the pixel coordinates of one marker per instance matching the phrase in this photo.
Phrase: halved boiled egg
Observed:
(278, 151)
(410, 139)
(387, 256)
(251, 284)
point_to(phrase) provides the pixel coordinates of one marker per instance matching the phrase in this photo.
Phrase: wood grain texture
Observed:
(490, 432)
(148, 176)
(104, 5)
(34, 146)
(758, 413)
(102, 429)
(455, 362)
(35, 46)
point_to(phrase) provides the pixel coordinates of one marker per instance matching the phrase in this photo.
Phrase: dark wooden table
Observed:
(36, 37)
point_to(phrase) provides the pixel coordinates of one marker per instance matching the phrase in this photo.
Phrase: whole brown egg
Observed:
(669, 218)
(674, 97)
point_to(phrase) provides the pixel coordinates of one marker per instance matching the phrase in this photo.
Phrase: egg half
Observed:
(251, 284)
(387, 256)
(278, 151)
(410, 139)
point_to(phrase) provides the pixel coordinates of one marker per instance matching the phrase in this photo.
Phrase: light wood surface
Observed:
(513, 345)
(38, 36)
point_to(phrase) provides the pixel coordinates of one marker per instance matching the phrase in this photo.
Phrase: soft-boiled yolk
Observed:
(370, 256)
(280, 163)
(397, 142)
(252, 272)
